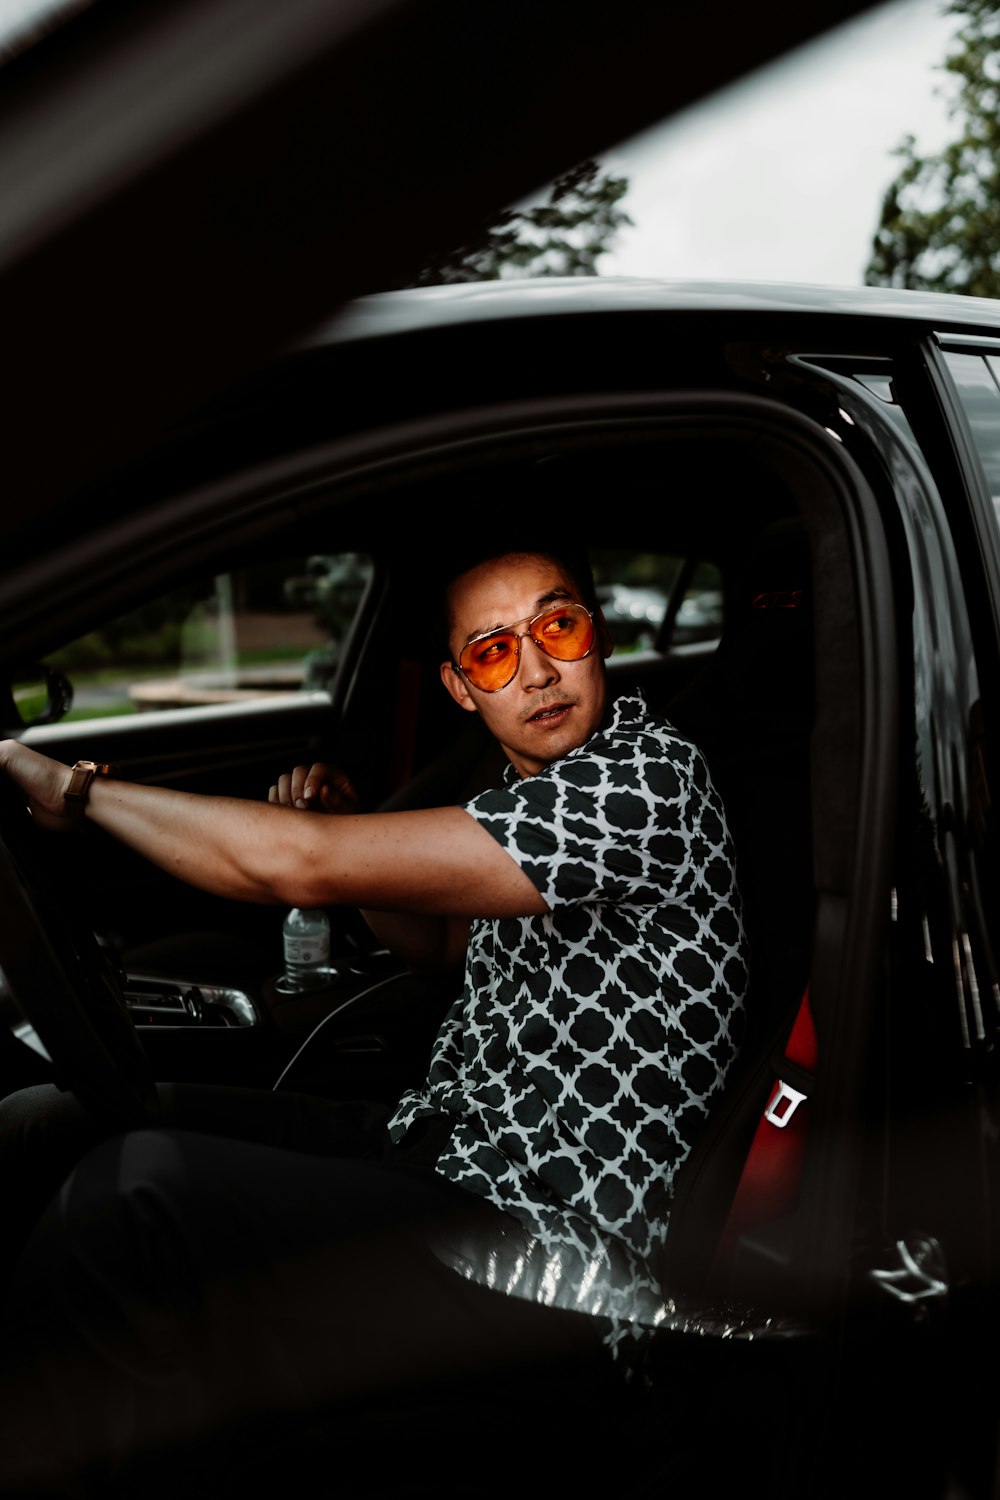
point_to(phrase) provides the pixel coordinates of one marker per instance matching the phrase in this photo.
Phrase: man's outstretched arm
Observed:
(437, 860)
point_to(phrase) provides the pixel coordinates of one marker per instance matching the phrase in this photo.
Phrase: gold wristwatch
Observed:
(80, 777)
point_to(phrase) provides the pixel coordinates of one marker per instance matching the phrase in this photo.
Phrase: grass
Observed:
(124, 676)
(102, 711)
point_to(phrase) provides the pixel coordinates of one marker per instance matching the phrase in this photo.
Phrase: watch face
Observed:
(80, 777)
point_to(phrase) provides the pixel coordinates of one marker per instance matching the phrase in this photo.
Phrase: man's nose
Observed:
(537, 669)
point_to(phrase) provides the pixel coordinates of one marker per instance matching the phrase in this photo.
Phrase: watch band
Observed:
(80, 777)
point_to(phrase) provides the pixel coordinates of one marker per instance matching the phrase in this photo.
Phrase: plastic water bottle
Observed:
(307, 949)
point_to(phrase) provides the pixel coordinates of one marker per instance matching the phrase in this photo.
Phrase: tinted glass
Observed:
(976, 379)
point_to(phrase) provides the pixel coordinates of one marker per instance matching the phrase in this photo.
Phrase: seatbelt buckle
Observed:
(784, 1102)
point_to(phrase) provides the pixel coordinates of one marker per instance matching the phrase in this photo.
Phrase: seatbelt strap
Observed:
(769, 1183)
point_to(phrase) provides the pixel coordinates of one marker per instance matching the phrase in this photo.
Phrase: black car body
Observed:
(829, 455)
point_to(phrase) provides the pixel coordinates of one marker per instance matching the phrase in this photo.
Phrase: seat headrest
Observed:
(774, 582)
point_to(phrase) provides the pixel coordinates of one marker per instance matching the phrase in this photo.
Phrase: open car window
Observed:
(273, 629)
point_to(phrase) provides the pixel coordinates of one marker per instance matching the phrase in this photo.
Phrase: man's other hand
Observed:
(316, 788)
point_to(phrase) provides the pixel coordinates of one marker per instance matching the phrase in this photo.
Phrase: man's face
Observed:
(550, 707)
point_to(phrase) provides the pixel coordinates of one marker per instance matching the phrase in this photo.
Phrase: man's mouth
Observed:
(553, 713)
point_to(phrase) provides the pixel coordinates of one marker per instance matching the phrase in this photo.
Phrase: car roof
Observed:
(284, 403)
(425, 308)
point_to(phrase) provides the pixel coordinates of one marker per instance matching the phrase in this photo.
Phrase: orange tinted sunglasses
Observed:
(490, 661)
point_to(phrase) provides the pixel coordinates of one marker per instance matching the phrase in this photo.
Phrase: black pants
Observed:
(257, 1257)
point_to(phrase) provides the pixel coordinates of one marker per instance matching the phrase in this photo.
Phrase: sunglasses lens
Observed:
(491, 662)
(567, 633)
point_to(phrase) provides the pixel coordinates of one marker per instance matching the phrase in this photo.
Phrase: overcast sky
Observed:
(781, 177)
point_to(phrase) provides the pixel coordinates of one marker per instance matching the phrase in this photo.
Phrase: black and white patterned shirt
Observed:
(580, 1060)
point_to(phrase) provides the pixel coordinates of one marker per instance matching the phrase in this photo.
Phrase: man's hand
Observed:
(427, 944)
(43, 782)
(317, 788)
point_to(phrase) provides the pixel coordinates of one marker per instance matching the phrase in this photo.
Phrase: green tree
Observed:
(940, 224)
(563, 236)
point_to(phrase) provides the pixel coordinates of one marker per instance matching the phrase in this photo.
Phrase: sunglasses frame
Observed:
(519, 636)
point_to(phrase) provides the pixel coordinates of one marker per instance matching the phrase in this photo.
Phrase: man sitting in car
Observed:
(272, 1250)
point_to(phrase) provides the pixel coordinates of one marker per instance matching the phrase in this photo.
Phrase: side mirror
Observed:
(41, 695)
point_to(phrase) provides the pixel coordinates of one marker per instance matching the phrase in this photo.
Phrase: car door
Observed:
(930, 1162)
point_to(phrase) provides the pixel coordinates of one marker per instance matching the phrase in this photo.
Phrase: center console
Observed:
(153, 1001)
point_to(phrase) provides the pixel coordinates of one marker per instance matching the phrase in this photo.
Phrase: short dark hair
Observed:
(575, 563)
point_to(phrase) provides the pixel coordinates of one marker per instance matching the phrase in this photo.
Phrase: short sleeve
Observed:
(613, 824)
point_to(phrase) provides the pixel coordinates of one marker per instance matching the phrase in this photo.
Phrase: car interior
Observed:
(747, 695)
(773, 696)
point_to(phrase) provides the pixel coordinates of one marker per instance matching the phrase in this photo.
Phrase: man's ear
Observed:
(604, 635)
(455, 683)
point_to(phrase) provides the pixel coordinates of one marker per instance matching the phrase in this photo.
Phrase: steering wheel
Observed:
(56, 978)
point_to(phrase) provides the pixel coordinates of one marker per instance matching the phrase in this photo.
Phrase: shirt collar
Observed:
(626, 712)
